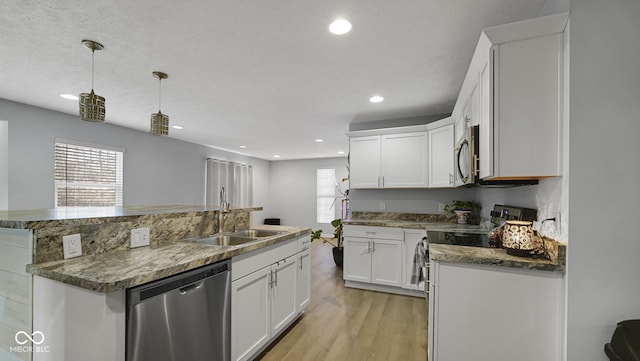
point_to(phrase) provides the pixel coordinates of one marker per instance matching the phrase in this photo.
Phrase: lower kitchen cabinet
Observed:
(250, 314)
(303, 286)
(484, 312)
(269, 290)
(373, 255)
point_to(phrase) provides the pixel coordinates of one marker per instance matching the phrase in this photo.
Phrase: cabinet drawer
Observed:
(250, 262)
(373, 232)
(304, 243)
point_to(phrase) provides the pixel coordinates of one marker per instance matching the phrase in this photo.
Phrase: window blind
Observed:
(237, 180)
(87, 176)
(325, 195)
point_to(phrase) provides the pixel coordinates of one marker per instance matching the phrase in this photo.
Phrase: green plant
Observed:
(337, 234)
(472, 206)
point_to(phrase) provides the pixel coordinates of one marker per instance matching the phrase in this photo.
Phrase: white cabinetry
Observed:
(441, 159)
(389, 161)
(519, 310)
(373, 255)
(303, 286)
(364, 162)
(411, 238)
(517, 75)
(269, 290)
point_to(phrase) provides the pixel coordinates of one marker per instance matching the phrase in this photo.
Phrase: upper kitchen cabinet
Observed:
(441, 161)
(516, 75)
(392, 160)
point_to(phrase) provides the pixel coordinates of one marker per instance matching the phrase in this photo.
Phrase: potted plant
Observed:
(465, 211)
(337, 234)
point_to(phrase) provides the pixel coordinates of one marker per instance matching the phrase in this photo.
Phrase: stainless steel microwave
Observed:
(466, 156)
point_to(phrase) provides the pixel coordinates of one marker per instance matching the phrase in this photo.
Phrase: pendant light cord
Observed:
(93, 52)
(159, 94)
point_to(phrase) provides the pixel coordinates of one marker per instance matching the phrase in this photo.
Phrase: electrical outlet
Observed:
(382, 206)
(557, 225)
(72, 246)
(139, 237)
(441, 207)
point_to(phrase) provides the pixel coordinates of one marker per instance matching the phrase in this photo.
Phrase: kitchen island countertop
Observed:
(120, 269)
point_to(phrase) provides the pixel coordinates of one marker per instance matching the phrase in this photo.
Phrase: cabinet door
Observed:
(303, 290)
(250, 314)
(485, 86)
(357, 259)
(411, 239)
(405, 160)
(283, 294)
(441, 157)
(386, 259)
(364, 162)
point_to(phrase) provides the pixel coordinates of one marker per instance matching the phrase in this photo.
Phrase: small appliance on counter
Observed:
(501, 214)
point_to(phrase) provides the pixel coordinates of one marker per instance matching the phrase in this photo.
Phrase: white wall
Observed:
(4, 165)
(157, 170)
(604, 250)
(293, 189)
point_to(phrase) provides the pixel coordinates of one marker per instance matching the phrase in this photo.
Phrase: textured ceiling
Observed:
(265, 74)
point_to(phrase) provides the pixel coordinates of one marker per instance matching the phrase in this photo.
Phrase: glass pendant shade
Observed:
(92, 106)
(159, 121)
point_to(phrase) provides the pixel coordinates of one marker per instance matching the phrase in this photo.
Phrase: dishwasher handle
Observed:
(192, 287)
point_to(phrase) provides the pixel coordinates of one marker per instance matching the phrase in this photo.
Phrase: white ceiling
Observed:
(265, 74)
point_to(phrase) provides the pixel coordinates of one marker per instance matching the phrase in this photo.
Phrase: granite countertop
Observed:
(474, 255)
(39, 218)
(496, 257)
(432, 226)
(118, 270)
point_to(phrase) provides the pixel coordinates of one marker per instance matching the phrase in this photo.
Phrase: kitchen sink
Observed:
(234, 238)
(256, 233)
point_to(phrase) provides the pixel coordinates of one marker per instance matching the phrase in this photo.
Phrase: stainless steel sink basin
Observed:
(221, 240)
(234, 238)
(256, 233)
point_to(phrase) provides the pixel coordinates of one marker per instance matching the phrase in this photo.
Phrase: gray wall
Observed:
(157, 170)
(293, 190)
(603, 264)
(4, 165)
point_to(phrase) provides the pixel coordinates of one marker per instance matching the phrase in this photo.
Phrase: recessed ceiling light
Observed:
(276, 156)
(319, 140)
(341, 152)
(69, 96)
(243, 146)
(376, 99)
(177, 127)
(340, 27)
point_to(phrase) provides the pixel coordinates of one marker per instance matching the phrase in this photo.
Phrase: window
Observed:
(325, 195)
(237, 180)
(87, 176)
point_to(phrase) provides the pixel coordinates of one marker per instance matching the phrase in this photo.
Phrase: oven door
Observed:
(466, 156)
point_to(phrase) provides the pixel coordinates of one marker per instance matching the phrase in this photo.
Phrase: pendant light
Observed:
(159, 121)
(92, 107)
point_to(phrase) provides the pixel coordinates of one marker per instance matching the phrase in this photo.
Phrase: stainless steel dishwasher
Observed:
(182, 317)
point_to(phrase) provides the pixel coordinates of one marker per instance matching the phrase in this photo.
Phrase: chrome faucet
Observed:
(224, 205)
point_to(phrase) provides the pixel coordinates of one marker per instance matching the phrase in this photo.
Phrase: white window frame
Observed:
(325, 195)
(119, 176)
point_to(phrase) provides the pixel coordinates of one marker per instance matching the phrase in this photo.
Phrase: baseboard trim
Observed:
(382, 288)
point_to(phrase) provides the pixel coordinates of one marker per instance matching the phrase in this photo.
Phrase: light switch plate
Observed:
(72, 246)
(139, 237)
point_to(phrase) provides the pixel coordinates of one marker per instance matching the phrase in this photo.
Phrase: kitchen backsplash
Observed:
(412, 217)
(101, 234)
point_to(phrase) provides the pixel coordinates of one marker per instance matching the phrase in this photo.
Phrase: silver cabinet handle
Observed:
(450, 178)
(276, 283)
(373, 248)
(271, 279)
(300, 263)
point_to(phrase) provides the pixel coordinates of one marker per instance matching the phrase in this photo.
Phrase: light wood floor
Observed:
(348, 324)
